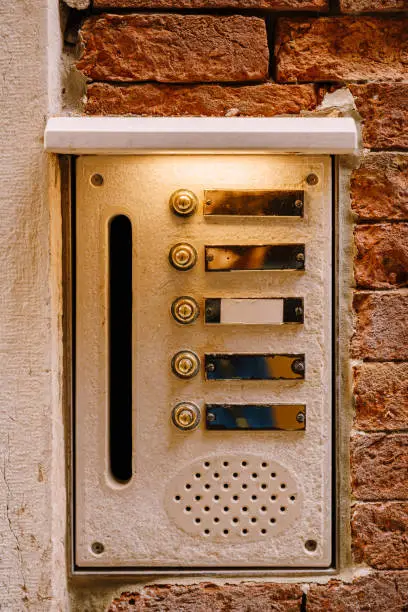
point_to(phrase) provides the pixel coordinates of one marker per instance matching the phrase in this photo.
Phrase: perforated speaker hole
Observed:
(233, 498)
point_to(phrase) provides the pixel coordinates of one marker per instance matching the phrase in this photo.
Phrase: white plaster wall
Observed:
(32, 498)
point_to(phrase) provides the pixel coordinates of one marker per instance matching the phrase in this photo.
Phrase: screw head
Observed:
(185, 364)
(298, 311)
(311, 545)
(300, 257)
(97, 548)
(210, 367)
(183, 256)
(97, 180)
(210, 417)
(298, 203)
(298, 366)
(300, 417)
(185, 310)
(312, 179)
(183, 202)
(186, 416)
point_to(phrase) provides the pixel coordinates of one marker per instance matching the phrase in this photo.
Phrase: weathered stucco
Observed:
(32, 494)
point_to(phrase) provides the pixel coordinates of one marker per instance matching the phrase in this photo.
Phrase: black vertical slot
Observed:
(120, 348)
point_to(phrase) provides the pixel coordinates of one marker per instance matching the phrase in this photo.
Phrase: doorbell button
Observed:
(185, 364)
(183, 202)
(186, 416)
(183, 256)
(185, 310)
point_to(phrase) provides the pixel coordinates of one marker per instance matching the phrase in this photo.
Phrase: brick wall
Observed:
(271, 57)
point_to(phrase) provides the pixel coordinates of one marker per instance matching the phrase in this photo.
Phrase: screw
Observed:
(210, 367)
(298, 203)
(300, 417)
(208, 203)
(97, 548)
(300, 257)
(185, 311)
(186, 417)
(97, 180)
(311, 545)
(210, 257)
(298, 311)
(298, 366)
(312, 179)
(185, 366)
(210, 417)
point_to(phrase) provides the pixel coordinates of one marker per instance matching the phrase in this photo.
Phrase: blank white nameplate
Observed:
(253, 311)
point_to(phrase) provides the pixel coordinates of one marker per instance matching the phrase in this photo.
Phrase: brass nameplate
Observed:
(284, 417)
(246, 366)
(254, 203)
(255, 257)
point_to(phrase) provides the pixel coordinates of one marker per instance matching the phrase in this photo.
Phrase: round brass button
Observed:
(186, 416)
(183, 256)
(185, 310)
(183, 202)
(185, 364)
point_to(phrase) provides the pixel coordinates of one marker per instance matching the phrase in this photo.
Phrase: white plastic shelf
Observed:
(130, 135)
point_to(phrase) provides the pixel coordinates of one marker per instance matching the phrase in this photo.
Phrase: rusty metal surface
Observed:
(254, 203)
(224, 258)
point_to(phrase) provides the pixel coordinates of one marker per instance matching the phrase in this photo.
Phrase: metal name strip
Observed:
(254, 311)
(255, 257)
(286, 417)
(254, 203)
(246, 366)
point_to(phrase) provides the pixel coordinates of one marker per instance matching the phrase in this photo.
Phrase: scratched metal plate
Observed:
(164, 457)
(254, 367)
(254, 203)
(226, 258)
(286, 417)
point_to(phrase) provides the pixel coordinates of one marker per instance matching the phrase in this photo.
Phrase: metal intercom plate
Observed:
(250, 486)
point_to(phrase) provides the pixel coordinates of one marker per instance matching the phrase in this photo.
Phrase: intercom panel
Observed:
(203, 361)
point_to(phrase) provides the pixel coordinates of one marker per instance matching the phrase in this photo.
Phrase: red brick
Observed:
(208, 597)
(380, 534)
(341, 49)
(379, 187)
(271, 5)
(381, 261)
(174, 48)
(381, 396)
(373, 6)
(377, 592)
(381, 326)
(264, 100)
(384, 109)
(379, 466)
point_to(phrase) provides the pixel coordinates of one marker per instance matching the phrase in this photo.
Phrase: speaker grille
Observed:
(241, 498)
